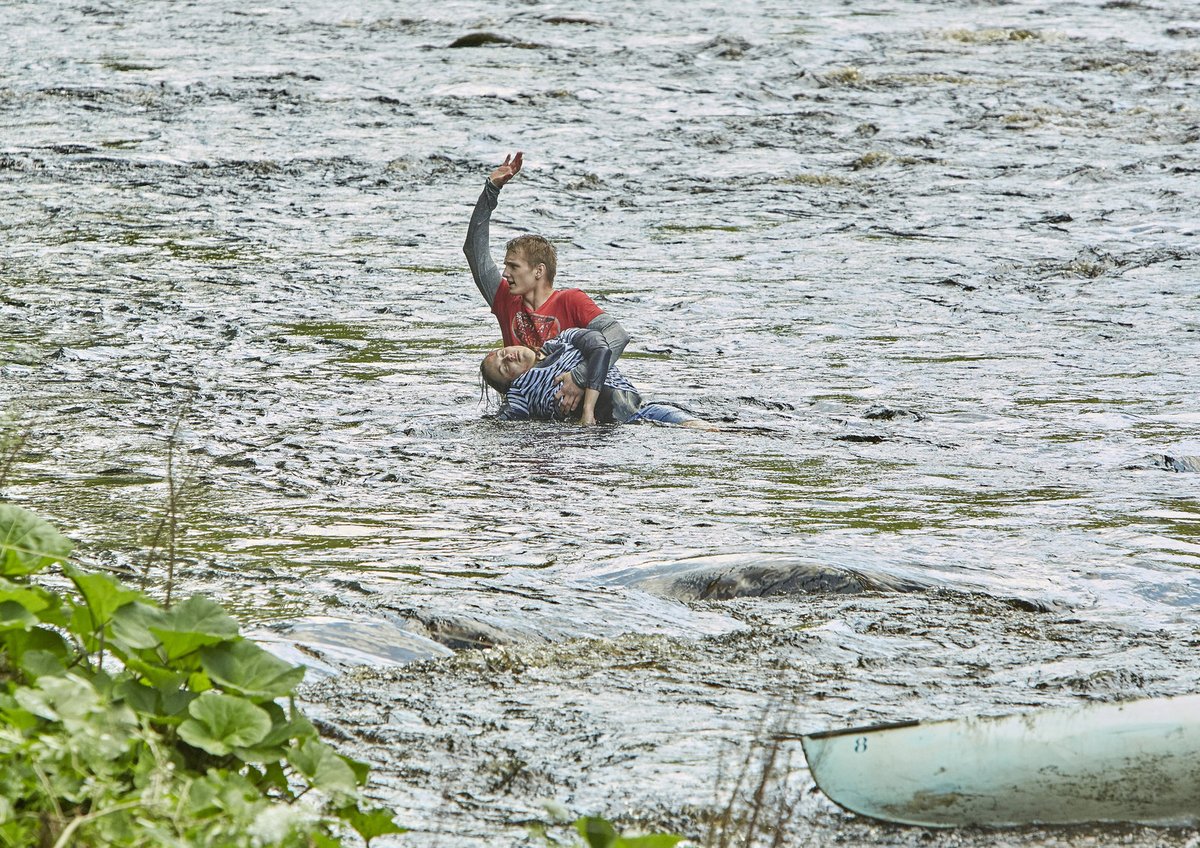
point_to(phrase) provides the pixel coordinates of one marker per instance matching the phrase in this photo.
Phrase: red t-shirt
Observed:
(520, 325)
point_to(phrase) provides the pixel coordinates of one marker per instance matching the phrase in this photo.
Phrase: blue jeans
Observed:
(660, 413)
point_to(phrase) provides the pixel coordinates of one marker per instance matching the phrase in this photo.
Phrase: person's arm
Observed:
(588, 416)
(614, 334)
(570, 390)
(483, 268)
(597, 357)
(479, 258)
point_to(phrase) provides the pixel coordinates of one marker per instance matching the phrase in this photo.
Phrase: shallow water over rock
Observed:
(943, 256)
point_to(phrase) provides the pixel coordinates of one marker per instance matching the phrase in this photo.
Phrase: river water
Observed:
(938, 260)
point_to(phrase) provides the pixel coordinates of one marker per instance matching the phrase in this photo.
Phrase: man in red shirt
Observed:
(522, 297)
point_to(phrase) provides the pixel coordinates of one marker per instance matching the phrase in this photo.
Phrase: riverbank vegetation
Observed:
(126, 722)
(129, 722)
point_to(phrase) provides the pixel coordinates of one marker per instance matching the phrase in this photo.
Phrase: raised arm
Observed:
(479, 258)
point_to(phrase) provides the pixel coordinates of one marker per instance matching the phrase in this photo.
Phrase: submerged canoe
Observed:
(1137, 761)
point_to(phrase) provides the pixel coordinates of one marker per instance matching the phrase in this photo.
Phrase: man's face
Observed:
(522, 277)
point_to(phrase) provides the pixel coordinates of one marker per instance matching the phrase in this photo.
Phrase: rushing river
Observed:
(938, 258)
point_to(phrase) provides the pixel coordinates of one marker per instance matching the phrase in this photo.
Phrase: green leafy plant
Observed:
(599, 833)
(124, 723)
(596, 832)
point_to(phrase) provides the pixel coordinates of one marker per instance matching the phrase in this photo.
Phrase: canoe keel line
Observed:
(1137, 762)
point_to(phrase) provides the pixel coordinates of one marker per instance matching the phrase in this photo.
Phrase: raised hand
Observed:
(510, 168)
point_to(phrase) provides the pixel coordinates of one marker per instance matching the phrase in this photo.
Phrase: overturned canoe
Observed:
(1137, 761)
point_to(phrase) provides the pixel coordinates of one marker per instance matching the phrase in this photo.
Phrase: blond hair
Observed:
(536, 250)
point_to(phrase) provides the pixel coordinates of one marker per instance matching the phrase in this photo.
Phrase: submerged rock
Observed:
(479, 39)
(721, 578)
(864, 438)
(887, 413)
(1178, 463)
(463, 632)
(521, 610)
(585, 20)
(328, 646)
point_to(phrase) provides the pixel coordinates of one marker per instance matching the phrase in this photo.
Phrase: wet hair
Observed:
(535, 250)
(487, 380)
(485, 397)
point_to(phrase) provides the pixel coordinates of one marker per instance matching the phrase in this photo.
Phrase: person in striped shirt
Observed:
(527, 380)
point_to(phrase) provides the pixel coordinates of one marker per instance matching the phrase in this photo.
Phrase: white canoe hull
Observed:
(1137, 761)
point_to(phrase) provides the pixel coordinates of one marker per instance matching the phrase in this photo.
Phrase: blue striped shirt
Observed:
(532, 395)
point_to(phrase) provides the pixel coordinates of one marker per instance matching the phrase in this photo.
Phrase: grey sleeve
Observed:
(613, 333)
(483, 269)
(597, 357)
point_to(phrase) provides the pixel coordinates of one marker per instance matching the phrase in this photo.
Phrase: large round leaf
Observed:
(219, 723)
(14, 616)
(33, 598)
(27, 542)
(371, 822)
(131, 626)
(102, 594)
(323, 767)
(247, 669)
(37, 651)
(196, 622)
